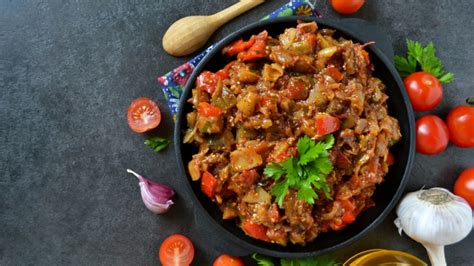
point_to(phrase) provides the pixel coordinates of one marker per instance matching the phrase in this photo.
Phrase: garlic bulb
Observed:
(434, 218)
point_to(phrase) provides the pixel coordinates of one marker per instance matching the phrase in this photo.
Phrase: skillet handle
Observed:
(367, 31)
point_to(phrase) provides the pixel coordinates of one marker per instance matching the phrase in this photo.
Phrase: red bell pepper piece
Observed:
(335, 73)
(207, 81)
(257, 231)
(257, 50)
(326, 124)
(207, 109)
(208, 184)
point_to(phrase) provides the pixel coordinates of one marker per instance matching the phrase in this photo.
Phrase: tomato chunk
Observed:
(247, 177)
(207, 81)
(296, 90)
(257, 50)
(390, 159)
(208, 184)
(222, 74)
(257, 231)
(335, 73)
(238, 46)
(326, 124)
(348, 218)
(366, 56)
(207, 109)
(234, 48)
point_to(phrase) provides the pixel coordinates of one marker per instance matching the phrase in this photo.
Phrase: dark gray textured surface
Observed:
(67, 74)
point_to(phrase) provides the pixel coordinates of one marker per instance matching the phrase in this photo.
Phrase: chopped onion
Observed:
(156, 197)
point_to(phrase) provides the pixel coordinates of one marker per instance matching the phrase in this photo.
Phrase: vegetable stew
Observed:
(306, 84)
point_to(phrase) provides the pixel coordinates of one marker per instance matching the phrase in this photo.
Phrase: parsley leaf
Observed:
(306, 191)
(280, 190)
(422, 58)
(306, 172)
(262, 260)
(156, 143)
(274, 170)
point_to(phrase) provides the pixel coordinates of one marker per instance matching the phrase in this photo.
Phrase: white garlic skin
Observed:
(434, 224)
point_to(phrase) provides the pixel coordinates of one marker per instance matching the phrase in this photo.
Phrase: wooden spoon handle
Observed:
(231, 12)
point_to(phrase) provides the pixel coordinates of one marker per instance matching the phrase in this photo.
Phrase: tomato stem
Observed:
(470, 101)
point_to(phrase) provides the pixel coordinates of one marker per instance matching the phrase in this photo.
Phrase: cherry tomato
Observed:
(326, 124)
(464, 186)
(424, 89)
(208, 184)
(257, 231)
(176, 250)
(227, 260)
(432, 135)
(460, 122)
(347, 6)
(143, 115)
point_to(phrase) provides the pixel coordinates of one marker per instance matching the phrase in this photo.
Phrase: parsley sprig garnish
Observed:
(157, 144)
(422, 58)
(305, 172)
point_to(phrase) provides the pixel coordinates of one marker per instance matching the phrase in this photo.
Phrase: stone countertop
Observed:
(68, 72)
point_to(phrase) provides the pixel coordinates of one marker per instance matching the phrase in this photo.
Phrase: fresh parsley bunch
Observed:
(422, 58)
(305, 172)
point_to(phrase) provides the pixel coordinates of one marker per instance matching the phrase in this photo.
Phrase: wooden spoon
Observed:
(189, 34)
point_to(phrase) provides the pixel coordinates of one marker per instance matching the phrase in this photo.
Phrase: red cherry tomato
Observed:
(227, 260)
(347, 6)
(424, 89)
(432, 135)
(464, 186)
(143, 115)
(460, 122)
(176, 250)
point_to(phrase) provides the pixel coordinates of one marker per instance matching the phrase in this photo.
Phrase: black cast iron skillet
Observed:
(386, 194)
